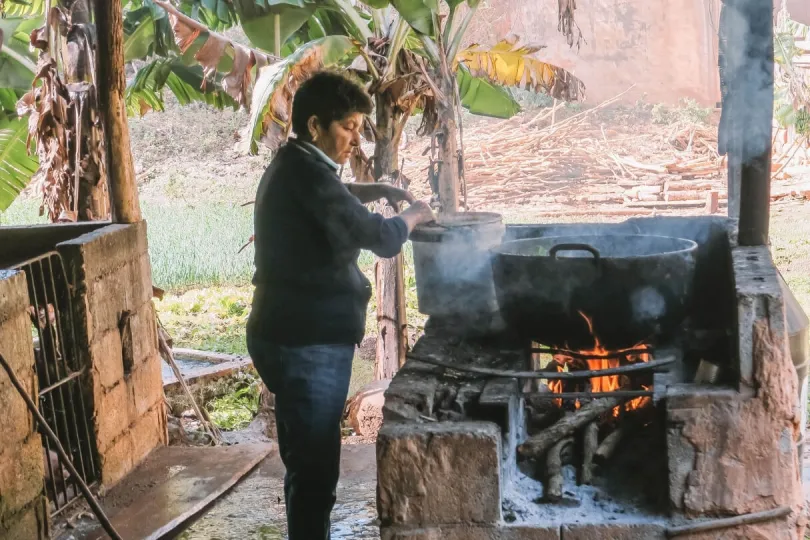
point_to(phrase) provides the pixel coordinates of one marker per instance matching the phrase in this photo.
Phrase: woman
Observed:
(310, 302)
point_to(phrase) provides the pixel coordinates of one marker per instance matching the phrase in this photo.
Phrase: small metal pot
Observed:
(453, 266)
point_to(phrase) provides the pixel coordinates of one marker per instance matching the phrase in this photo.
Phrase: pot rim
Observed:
(689, 245)
(469, 223)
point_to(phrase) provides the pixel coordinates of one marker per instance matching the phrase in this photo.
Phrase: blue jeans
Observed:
(310, 385)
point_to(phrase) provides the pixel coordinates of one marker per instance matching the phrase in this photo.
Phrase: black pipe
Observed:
(747, 78)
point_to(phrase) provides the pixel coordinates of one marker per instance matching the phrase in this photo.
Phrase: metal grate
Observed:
(61, 375)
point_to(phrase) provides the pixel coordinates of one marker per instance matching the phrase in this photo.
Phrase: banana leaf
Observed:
(481, 97)
(16, 165)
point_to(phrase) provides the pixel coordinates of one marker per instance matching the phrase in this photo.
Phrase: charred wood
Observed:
(539, 444)
(590, 444)
(608, 447)
(554, 476)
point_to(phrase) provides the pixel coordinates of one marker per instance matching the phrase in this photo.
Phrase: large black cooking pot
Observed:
(633, 288)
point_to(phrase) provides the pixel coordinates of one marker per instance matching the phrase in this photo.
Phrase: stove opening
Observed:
(595, 438)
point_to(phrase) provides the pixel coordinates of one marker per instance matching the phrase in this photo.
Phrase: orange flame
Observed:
(608, 383)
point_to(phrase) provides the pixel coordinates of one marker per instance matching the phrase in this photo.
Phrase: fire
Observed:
(601, 358)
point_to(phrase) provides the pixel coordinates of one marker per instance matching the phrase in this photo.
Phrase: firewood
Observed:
(539, 444)
(554, 477)
(712, 202)
(670, 205)
(590, 443)
(690, 185)
(692, 195)
(605, 450)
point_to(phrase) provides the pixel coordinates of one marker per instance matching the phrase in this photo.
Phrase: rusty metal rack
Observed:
(61, 373)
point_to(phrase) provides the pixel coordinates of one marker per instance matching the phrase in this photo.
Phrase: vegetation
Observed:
(791, 82)
(237, 409)
(688, 111)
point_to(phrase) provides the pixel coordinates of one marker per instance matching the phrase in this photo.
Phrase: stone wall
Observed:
(23, 507)
(29, 241)
(116, 330)
(733, 451)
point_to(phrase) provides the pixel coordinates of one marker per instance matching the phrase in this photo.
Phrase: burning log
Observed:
(608, 446)
(554, 476)
(539, 444)
(589, 450)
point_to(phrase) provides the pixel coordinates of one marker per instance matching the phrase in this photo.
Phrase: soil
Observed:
(254, 509)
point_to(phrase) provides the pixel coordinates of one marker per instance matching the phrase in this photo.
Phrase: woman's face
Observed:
(340, 138)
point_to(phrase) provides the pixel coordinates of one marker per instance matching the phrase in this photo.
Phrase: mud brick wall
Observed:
(733, 451)
(23, 513)
(117, 331)
(420, 484)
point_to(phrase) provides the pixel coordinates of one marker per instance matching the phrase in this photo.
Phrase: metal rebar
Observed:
(43, 425)
(69, 363)
(586, 356)
(54, 386)
(43, 375)
(590, 395)
(549, 375)
(725, 523)
(89, 456)
(60, 420)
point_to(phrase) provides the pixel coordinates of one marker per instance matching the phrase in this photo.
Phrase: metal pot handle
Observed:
(575, 247)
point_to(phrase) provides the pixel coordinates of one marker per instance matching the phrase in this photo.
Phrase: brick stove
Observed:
(695, 437)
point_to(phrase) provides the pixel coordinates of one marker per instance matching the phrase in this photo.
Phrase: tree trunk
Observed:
(112, 107)
(93, 197)
(447, 141)
(392, 326)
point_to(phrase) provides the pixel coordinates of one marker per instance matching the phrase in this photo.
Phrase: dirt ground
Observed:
(254, 509)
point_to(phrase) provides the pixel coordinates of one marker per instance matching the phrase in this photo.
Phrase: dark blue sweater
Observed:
(309, 230)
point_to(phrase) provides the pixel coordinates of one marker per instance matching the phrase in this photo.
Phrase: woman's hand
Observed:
(372, 192)
(418, 212)
(395, 195)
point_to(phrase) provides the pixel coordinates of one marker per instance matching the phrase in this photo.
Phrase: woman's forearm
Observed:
(367, 193)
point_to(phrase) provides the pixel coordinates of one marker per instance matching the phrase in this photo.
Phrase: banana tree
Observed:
(65, 125)
(462, 77)
(17, 67)
(383, 46)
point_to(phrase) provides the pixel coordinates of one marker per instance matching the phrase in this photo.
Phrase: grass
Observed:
(197, 246)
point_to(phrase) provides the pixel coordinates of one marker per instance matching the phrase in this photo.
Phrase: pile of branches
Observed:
(537, 158)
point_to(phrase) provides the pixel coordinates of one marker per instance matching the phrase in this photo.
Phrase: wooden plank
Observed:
(172, 486)
(669, 205)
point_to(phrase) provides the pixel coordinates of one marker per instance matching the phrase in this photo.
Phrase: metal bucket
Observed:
(452, 265)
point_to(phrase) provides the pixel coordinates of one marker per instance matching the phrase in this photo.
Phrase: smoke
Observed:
(746, 60)
(648, 304)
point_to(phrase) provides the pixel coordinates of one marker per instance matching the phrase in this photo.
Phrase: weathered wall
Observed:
(116, 329)
(733, 452)
(29, 241)
(23, 514)
(668, 49)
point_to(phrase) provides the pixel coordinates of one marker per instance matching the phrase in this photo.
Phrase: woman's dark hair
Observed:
(329, 96)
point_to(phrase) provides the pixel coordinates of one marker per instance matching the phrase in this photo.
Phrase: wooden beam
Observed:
(112, 108)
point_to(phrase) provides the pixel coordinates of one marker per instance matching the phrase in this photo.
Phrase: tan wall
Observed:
(799, 10)
(116, 327)
(668, 49)
(23, 514)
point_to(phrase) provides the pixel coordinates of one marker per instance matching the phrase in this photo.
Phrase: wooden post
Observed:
(448, 145)
(112, 108)
(392, 322)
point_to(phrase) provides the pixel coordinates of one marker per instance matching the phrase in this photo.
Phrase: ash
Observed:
(523, 504)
